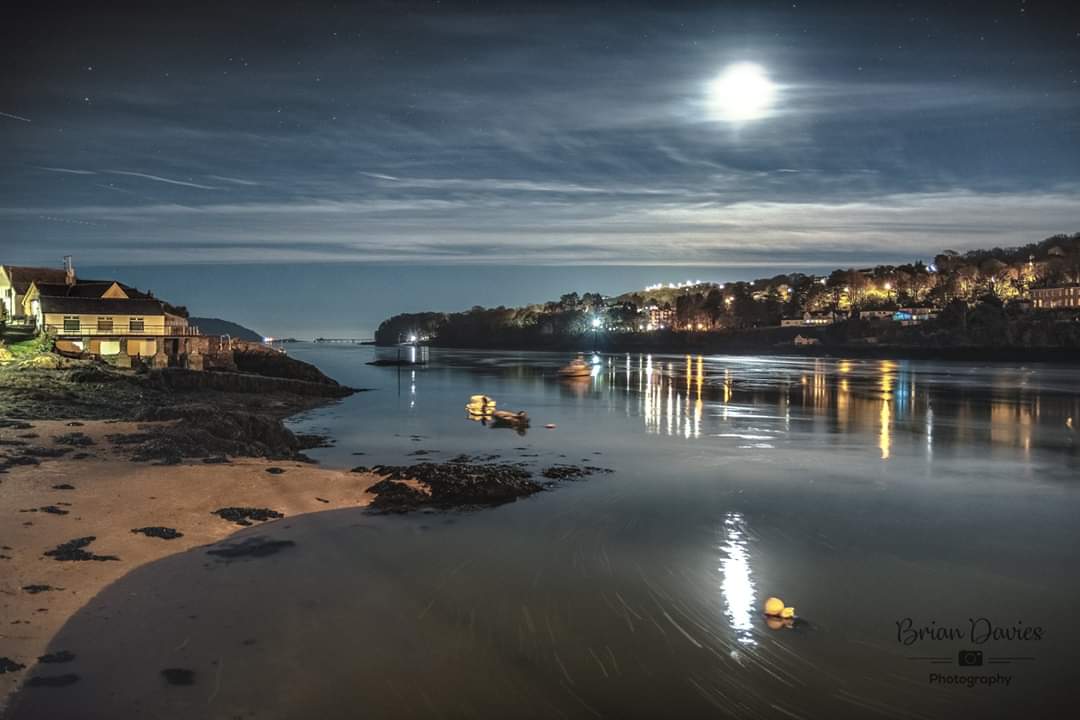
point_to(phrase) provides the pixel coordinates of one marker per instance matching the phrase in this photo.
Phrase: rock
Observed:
(244, 515)
(275, 470)
(165, 533)
(216, 460)
(63, 486)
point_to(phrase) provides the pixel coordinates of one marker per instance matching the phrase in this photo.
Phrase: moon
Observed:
(742, 92)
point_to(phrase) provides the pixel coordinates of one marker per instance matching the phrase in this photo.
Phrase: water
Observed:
(861, 492)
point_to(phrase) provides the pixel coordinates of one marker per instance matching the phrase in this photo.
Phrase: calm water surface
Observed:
(861, 492)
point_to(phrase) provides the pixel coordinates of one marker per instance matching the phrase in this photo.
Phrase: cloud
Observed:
(15, 117)
(510, 228)
(158, 178)
(235, 181)
(67, 170)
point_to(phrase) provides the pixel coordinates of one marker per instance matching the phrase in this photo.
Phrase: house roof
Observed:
(96, 306)
(86, 289)
(21, 276)
(106, 284)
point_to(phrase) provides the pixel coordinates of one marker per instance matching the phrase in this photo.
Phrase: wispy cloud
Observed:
(158, 178)
(234, 181)
(16, 117)
(606, 229)
(70, 171)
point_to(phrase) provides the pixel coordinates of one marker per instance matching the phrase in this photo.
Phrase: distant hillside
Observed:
(215, 326)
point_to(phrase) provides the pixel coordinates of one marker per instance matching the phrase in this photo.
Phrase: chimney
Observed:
(69, 271)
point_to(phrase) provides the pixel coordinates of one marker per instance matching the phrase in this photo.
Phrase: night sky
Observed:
(392, 148)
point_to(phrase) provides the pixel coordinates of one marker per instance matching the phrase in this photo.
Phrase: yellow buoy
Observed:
(788, 612)
(774, 606)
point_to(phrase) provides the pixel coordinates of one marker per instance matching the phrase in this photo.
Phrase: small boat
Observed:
(480, 405)
(518, 421)
(511, 418)
(577, 368)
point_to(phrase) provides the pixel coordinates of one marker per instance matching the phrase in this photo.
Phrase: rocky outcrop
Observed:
(262, 360)
(179, 379)
(449, 485)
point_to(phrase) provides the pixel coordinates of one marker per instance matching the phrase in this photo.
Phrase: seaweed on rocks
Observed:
(15, 424)
(35, 589)
(244, 515)
(309, 441)
(72, 551)
(44, 452)
(206, 432)
(571, 472)
(165, 533)
(75, 439)
(8, 665)
(254, 547)
(450, 485)
(392, 496)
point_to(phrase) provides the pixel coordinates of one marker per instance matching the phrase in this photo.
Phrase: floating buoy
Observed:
(550, 426)
(787, 613)
(774, 607)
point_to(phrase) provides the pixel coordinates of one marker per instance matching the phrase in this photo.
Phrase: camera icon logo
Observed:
(970, 658)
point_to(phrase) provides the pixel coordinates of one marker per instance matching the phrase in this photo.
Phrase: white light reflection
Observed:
(737, 585)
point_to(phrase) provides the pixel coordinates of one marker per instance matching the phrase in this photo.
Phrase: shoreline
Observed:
(106, 496)
(1057, 356)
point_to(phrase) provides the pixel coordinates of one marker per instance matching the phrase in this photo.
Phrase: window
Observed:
(137, 325)
(71, 324)
(105, 324)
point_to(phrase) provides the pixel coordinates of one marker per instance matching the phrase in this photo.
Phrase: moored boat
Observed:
(576, 368)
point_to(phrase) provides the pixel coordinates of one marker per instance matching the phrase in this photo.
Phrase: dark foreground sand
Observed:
(110, 496)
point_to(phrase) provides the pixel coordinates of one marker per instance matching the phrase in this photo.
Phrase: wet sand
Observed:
(108, 497)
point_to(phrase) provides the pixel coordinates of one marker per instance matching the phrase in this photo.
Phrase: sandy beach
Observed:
(106, 495)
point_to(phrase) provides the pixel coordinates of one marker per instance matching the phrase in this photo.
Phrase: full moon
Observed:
(740, 93)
